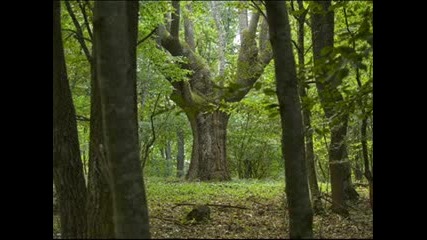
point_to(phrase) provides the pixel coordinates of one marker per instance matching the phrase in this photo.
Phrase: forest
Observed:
(212, 119)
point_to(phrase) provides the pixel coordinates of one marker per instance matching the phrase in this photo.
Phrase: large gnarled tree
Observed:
(201, 97)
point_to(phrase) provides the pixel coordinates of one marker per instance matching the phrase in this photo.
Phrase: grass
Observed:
(174, 191)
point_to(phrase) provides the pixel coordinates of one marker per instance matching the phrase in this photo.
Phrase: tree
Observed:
(115, 39)
(364, 122)
(306, 110)
(203, 98)
(99, 200)
(327, 81)
(67, 165)
(300, 211)
(180, 156)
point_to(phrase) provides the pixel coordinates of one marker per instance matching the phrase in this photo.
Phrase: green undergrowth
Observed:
(179, 191)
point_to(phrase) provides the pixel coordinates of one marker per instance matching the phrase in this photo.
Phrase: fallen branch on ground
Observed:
(211, 205)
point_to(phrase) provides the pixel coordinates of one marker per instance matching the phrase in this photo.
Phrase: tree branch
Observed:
(211, 205)
(253, 23)
(189, 30)
(175, 19)
(250, 63)
(83, 10)
(243, 21)
(79, 31)
(146, 37)
(259, 9)
(82, 118)
(296, 45)
(151, 142)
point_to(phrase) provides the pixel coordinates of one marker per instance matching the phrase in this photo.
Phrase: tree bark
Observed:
(297, 191)
(209, 161)
(100, 201)
(67, 165)
(306, 110)
(349, 192)
(99, 205)
(181, 153)
(115, 47)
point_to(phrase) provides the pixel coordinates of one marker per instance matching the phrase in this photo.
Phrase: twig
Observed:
(146, 37)
(83, 10)
(79, 32)
(259, 9)
(150, 143)
(82, 118)
(211, 205)
(296, 45)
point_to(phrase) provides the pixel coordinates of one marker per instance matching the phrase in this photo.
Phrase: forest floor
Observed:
(246, 209)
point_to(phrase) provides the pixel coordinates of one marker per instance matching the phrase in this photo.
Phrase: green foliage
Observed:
(160, 190)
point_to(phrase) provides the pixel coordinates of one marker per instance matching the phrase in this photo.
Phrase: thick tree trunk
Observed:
(100, 201)
(297, 191)
(67, 165)
(181, 153)
(208, 160)
(116, 28)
